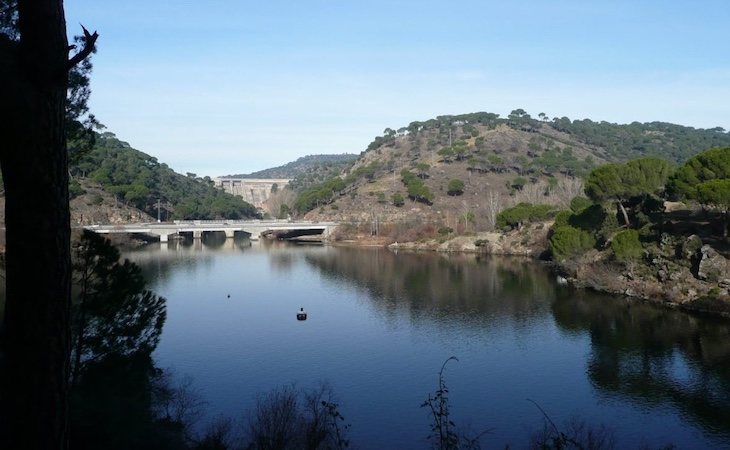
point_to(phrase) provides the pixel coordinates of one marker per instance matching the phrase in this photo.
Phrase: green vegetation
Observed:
(622, 182)
(326, 192)
(562, 161)
(706, 179)
(579, 203)
(455, 187)
(415, 187)
(397, 199)
(664, 140)
(319, 194)
(618, 142)
(522, 213)
(567, 241)
(626, 245)
(139, 180)
(307, 166)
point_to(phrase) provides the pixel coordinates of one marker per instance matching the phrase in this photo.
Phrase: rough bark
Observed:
(36, 334)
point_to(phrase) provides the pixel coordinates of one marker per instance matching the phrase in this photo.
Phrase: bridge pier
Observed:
(230, 234)
(197, 234)
(163, 238)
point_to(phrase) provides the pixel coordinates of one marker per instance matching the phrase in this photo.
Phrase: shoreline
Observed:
(682, 289)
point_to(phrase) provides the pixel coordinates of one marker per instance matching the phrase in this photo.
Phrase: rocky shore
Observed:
(678, 272)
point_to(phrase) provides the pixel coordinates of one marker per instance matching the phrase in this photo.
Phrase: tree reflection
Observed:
(114, 315)
(117, 325)
(654, 355)
(434, 285)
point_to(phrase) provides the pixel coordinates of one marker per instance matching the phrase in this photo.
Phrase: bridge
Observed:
(254, 229)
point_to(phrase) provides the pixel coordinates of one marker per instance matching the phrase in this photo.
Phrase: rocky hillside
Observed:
(458, 171)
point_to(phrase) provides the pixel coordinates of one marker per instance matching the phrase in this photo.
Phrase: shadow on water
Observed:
(653, 355)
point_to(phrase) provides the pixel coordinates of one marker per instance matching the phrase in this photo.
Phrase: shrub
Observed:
(398, 199)
(519, 183)
(579, 203)
(568, 241)
(445, 230)
(562, 219)
(455, 187)
(626, 245)
(590, 218)
(75, 189)
(522, 213)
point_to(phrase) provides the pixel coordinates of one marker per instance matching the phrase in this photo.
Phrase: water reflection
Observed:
(381, 322)
(643, 353)
(116, 326)
(433, 285)
(160, 261)
(653, 355)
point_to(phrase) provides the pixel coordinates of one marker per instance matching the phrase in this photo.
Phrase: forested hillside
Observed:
(139, 180)
(313, 166)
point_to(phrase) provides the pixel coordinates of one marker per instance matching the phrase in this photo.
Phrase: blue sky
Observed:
(219, 86)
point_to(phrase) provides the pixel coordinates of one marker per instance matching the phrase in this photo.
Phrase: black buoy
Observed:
(301, 314)
(229, 296)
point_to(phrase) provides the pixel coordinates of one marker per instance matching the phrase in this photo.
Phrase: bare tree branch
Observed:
(89, 43)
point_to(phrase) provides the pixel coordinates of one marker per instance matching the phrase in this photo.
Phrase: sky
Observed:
(220, 87)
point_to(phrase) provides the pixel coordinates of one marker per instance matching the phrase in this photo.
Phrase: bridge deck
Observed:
(253, 227)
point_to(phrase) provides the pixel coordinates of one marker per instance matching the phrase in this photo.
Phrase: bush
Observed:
(522, 213)
(445, 230)
(579, 203)
(455, 187)
(75, 189)
(626, 245)
(591, 218)
(562, 219)
(568, 241)
(398, 199)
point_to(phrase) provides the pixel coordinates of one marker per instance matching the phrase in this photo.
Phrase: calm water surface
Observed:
(381, 325)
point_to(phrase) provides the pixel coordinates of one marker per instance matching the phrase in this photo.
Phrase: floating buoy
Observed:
(229, 296)
(301, 314)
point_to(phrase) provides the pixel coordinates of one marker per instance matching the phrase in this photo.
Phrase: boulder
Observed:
(712, 267)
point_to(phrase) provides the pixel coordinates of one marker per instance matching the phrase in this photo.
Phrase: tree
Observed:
(713, 164)
(716, 193)
(422, 169)
(34, 54)
(620, 182)
(398, 199)
(455, 187)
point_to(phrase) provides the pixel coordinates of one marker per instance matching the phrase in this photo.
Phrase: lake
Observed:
(381, 324)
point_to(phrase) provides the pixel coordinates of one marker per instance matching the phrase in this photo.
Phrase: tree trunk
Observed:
(36, 341)
(623, 212)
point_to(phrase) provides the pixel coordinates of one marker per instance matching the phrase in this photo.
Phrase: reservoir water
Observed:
(381, 324)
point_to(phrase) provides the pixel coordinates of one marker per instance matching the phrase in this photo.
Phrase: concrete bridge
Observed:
(254, 229)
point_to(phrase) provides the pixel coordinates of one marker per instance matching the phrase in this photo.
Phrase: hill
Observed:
(136, 180)
(457, 172)
(310, 164)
